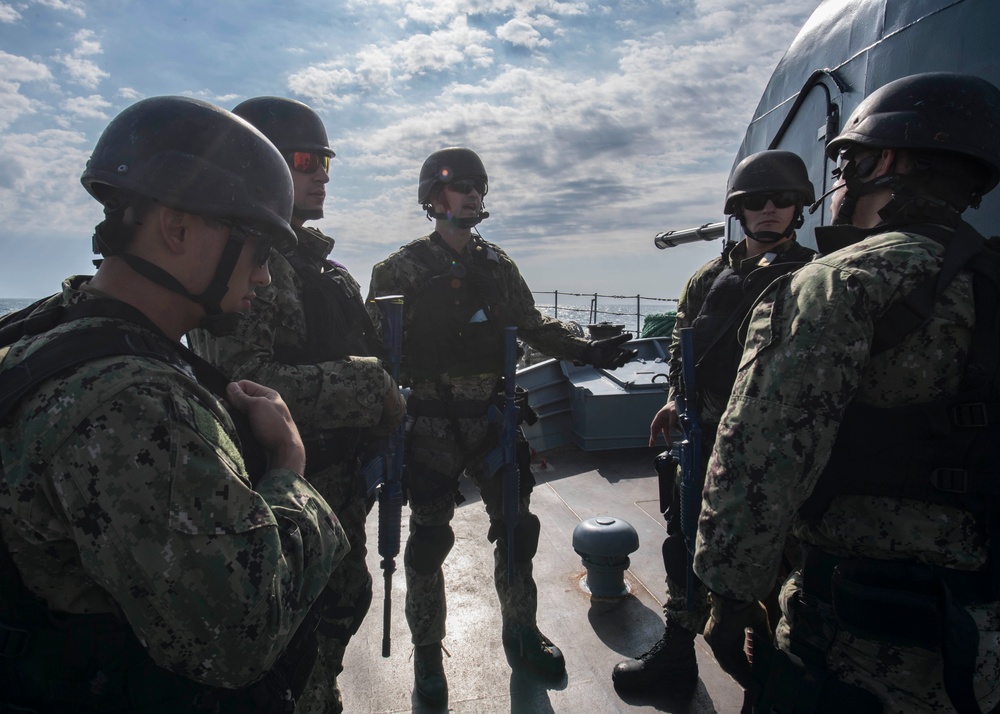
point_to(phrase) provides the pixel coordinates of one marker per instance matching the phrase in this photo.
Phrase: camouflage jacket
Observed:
(690, 304)
(402, 273)
(124, 492)
(345, 392)
(807, 356)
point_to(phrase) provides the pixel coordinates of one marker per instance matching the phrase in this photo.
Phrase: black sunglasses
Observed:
(263, 246)
(780, 199)
(466, 185)
(306, 162)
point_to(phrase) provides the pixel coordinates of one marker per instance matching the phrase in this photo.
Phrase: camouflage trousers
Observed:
(436, 463)
(347, 596)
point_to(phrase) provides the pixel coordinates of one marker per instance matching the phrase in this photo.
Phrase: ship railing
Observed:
(602, 308)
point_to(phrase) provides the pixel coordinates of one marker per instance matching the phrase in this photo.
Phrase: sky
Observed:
(600, 124)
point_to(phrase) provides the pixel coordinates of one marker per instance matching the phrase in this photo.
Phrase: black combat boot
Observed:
(428, 674)
(669, 666)
(526, 645)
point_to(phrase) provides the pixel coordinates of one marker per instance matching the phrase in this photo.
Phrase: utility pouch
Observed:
(910, 606)
(666, 474)
(787, 685)
(892, 602)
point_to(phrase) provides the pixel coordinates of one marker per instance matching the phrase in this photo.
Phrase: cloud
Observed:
(91, 107)
(72, 6)
(13, 103)
(8, 14)
(40, 176)
(521, 32)
(378, 69)
(80, 69)
(14, 67)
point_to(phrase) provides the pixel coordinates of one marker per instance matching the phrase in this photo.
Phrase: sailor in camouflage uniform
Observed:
(309, 336)
(767, 193)
(162, 551)
(460, 291)
(864, 421)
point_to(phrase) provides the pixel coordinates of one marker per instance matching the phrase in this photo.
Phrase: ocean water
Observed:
(11, 304)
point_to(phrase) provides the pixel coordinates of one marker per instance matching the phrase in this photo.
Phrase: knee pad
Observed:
(526, 537)
(427, 548)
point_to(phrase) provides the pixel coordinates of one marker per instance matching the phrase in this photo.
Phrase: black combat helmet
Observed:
(447, 165)
(452, 164)
(937, 112)
(290, 125)
(195, 157)
(769, 172)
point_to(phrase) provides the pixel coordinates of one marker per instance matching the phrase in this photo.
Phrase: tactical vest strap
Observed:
(913, 311)
(77, 347)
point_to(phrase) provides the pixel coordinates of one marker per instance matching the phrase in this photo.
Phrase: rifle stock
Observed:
(692, 479)
(503, 458)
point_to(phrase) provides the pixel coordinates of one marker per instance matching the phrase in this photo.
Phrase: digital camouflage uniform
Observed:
(713, 389)
(124, 492)
(332, 401)
(437, 455)
(808, 355)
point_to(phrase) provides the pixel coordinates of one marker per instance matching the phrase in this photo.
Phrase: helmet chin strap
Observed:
(773, 236)
(464, 223)
(215, 321)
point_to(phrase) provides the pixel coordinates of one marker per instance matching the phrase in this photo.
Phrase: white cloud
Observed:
(91, 107)
(322, 82)
(378, 69)
(521, 31)
(41, 176)
(83, 70)
(15, 70)
(72, 6)
(14, 67)
(8, 14)
(129, 94)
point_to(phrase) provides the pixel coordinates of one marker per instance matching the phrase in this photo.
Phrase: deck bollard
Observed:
(604, 543)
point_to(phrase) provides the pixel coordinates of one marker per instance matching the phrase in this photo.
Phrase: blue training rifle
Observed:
(503, 457)
(692, 479)
(385, 471)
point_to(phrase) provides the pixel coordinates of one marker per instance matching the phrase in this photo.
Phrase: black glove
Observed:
(726, 634)
(606, 353)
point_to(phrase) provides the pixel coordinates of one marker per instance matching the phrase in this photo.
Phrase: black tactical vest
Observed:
(457, 317)
(717, 339)
(337, 324)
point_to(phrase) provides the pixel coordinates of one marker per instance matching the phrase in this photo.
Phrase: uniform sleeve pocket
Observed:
(209, 492)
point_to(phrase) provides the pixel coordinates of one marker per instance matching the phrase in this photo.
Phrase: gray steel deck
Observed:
(593, 635)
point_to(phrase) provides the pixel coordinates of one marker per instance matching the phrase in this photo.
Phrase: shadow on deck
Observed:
(593, 634)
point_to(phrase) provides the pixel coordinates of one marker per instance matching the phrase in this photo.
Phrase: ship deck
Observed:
(594, 634)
